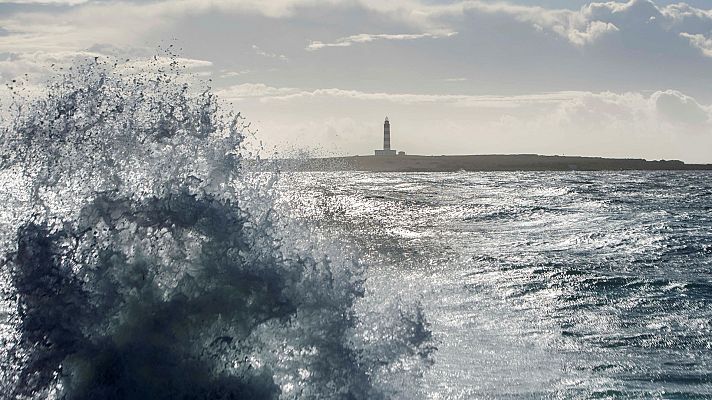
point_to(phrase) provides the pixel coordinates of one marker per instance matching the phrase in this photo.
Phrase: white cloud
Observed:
(699, 41)
(62, 2)
(163, 61)
(268, 93)
(39, 62)
(593, 31)
(580, 27)
(677, 107)
(253, 90)
(42, 63)
(366, 38)
(587, 108)
(121, 22)
(263, 53)
(233, 73)
(586, 25)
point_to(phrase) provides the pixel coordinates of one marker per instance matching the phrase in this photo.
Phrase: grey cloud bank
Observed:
(625, 78)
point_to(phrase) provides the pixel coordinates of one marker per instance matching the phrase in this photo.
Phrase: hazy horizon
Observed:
(626, 79)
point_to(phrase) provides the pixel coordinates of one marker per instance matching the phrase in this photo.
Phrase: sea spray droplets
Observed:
(98, 129)
(141, 268)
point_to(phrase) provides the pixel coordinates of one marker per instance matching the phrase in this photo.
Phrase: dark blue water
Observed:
(562, 285)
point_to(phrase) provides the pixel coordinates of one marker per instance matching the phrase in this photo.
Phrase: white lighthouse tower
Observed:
(386, 151)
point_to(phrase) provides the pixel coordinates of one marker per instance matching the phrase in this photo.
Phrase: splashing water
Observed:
(143, 260)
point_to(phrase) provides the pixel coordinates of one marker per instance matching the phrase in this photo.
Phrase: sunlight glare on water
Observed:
(571, 285)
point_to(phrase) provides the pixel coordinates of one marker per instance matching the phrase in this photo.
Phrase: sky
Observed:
(575, 77)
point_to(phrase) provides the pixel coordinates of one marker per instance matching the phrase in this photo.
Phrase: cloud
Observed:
(49, 2)
(579, 27)
(79, 28)
(107, 22)
(699, 41)
(583, 26)
(224, 73)
(263, 53)
(267, 93)
(593, 31)
(587, 108)
(366, 38)
(39, 63)
(677, 107)
(253, 90)
(588, 24)
(157, 62)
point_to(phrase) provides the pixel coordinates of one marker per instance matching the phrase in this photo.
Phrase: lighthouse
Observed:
(386, 151)
(386, 135)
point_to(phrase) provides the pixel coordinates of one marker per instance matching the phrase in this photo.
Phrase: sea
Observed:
(142, 257)
(536, 284)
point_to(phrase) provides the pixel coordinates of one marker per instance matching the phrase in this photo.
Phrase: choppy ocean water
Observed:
(536, 284)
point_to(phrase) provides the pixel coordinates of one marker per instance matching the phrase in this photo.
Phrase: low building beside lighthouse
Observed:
(387, 151)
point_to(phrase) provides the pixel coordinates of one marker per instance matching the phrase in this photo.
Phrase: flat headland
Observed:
(492, 162)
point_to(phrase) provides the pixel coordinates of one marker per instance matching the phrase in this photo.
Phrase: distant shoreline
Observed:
(492, 162)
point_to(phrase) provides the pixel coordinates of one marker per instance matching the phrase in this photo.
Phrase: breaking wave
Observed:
(143, 256)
